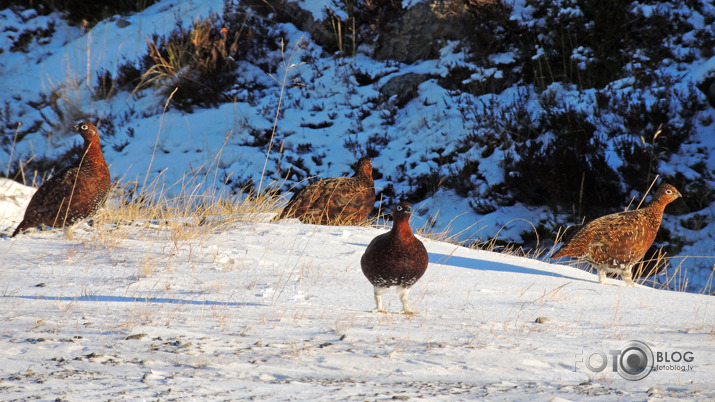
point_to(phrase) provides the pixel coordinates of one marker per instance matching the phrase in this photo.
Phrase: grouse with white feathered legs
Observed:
(396, 258)
(615, 243)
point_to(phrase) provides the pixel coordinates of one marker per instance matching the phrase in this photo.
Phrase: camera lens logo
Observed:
(635, 361)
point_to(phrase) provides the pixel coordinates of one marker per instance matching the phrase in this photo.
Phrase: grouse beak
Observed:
(408, 209)
(76, 127)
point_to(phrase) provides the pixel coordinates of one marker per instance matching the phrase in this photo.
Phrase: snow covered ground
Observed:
(280, 311)
(320, 119)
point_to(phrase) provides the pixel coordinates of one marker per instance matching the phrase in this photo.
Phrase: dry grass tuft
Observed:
(191, 212)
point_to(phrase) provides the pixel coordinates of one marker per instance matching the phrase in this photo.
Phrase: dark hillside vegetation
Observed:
(570, 109)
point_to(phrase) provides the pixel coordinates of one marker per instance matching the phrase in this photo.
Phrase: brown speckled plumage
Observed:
(615, 243)
(396, 258)
(73, 194)
(335, 201)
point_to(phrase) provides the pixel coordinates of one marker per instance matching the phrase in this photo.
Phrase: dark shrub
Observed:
(105, 85)
(23, 41)
(640, 164)
(199, 62)
(568, 174)
(491, 28)
(85, 13)
(128, 76)
(589, 43)
(195, 62)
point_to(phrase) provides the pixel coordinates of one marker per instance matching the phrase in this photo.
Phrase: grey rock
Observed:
(404, 87)
(421, 31)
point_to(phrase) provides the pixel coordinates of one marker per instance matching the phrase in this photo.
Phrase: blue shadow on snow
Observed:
(473, 263)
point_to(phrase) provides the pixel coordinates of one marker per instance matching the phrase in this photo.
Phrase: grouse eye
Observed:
(669, 191)
(84, 127)
(399, 208)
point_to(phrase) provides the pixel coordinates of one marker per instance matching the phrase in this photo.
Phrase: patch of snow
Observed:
(128, 313)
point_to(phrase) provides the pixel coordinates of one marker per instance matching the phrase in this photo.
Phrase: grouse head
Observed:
(364, 167)
(87, 130)
(402, 210)
(401, 221)
(666, 194)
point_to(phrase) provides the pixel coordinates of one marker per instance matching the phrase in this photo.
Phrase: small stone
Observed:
(122, 23)
(135, 337)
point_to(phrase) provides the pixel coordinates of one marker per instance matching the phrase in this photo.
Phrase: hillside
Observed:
(280, 311)
(535, 118)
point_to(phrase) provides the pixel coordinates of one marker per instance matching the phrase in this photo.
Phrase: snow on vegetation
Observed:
(537, 119)
(509, 132)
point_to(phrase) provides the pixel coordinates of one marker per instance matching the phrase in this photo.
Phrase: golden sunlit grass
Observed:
(191, 212)
(191, 208)
(188, 209)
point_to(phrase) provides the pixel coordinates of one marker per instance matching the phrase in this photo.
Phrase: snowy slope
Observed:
(281, 311)
(327, 112)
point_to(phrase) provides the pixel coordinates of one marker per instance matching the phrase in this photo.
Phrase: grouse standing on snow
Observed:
(73, 194)
(615, 243)
(396, 258)
(335, 201)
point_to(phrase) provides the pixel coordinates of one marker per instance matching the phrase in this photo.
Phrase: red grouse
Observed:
(396, 258)
(615, 243)
(335, 201)
(73, 194)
